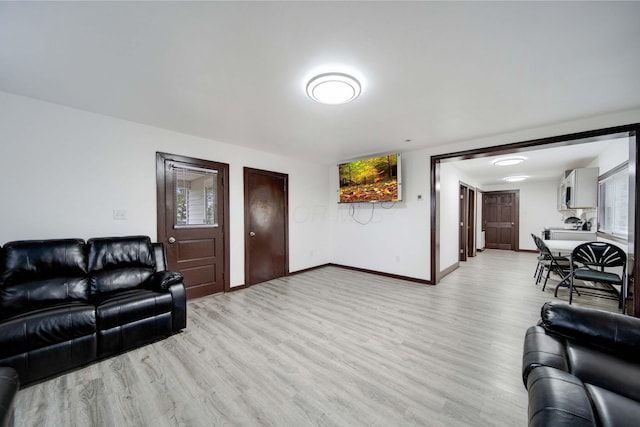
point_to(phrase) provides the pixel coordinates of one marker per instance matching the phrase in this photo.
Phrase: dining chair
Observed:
(552, 264)
(541, 257)
(602, 269)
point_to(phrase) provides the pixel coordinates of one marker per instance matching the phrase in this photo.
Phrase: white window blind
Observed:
(613, 203)
(195, 196)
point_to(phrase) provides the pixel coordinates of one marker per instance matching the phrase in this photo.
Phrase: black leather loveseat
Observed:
(65, 303)
(581, 367)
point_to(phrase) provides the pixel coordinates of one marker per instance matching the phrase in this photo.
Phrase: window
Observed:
(210, 203)
(613, 202)
(195, 196)
(182, 201)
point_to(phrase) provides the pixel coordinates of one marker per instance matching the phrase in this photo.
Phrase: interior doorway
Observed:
(467, 216)
(266, 225)
(471, 221)
(193, 221)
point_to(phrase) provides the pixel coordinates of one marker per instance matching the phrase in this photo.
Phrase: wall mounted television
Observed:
(374, 179)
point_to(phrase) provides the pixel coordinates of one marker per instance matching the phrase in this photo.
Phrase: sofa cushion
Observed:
(604, 370)
(45, 327)
(557, 398)
(37, 273)
(613, 409)
(43, 362)
(130, 318)
(130, 306)
(118, 263)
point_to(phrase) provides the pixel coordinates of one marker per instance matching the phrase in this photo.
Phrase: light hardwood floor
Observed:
(329, 347)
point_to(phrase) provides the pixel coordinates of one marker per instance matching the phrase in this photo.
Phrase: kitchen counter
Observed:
(564, 234)
(567, 229)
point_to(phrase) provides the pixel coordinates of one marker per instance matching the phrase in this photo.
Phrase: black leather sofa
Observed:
(581, 367)
(9, 384)
(65, 303)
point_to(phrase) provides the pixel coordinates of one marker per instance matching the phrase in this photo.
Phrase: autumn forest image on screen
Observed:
(369, 180)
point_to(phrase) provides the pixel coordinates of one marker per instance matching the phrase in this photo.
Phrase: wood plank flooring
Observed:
(329, 347)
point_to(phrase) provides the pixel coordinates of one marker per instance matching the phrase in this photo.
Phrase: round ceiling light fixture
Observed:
(516, 178)
(509, 161)
(333, 88)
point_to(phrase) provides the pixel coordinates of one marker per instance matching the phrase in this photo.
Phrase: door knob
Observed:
(251, 233)
(172, 240)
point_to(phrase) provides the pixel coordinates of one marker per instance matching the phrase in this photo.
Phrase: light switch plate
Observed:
(119, 214)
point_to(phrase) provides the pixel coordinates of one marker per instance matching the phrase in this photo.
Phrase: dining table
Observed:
(563, 247)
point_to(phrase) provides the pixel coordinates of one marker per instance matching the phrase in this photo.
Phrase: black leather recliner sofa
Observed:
(9, 384)
(65, 303)
(581, 367)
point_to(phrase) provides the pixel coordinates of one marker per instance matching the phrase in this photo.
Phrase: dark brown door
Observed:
(266, 225)
(471, 223)
(500, 218)
(467, 216)
(193, 221)
(463, 218)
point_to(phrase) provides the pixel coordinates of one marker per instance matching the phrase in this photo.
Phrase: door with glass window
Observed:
(192, 220)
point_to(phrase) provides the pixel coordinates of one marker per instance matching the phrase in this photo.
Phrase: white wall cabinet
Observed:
(579, 189)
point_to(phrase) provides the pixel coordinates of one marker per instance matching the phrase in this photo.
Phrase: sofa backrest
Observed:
(36, 273)
(118, 263)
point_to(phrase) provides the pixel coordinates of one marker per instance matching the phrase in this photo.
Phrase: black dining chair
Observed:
(603, 265)
(541, 257)
(552, 264)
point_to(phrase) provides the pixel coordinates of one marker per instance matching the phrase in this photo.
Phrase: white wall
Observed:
(617, 152)
(396, 240)
(66, 170)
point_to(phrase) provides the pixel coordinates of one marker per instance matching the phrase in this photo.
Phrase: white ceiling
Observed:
(540, 164)
(432, 72)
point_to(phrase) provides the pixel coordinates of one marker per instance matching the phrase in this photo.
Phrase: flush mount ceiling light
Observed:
(333, 88)
(516, 178)
(509, 161)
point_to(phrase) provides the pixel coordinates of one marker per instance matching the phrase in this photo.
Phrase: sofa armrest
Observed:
(9, 385)
(541, 349)
(557, 398)
(179, 312)
(611, 332)
(162, 280)
(171, 281)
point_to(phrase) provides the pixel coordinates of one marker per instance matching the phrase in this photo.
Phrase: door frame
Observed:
(632, 131)
(467, 221)
(471, 222)
(463, 215)
(161, 202)
(515, 232)
(247, 230)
